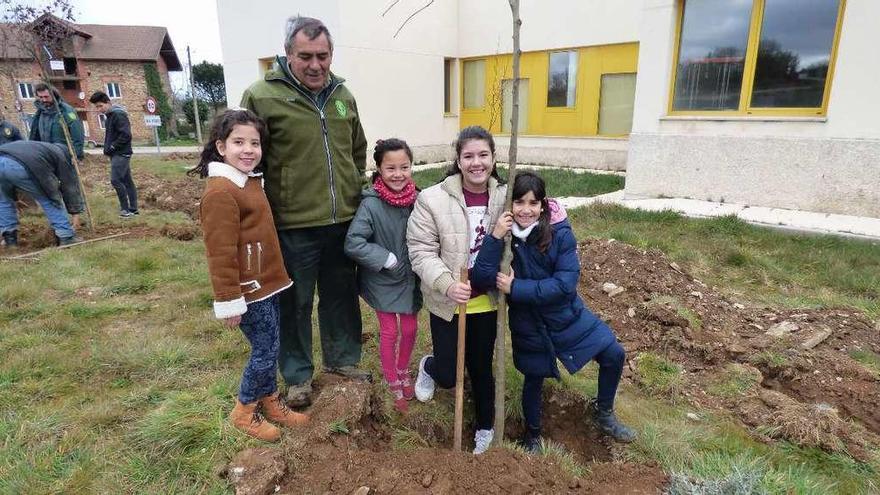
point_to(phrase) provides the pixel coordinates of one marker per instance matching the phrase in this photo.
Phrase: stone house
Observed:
(113, 59)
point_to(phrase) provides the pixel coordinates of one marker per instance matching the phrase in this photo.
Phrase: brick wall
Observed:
(12, 73)
(94, 76)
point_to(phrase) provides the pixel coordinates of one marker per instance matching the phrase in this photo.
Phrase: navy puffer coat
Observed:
(548, 319)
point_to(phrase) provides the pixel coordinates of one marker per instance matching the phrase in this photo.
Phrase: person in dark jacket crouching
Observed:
(117, 145)
(548, 319)
(43, 171)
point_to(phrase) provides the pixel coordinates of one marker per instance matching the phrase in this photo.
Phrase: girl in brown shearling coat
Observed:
(244, 260)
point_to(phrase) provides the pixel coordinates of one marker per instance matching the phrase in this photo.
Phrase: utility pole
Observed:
(192, 89)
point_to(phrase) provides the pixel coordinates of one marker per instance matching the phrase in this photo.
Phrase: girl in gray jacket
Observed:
(376, 241)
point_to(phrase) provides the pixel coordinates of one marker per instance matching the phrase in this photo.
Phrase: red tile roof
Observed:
(110, 42)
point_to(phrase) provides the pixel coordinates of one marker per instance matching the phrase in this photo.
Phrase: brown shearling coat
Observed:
(244, 256)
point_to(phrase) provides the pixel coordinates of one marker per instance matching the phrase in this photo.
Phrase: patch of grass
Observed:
(658, 376)
(407, 439)
(869, 359)
(563, 457)
(339, 427)
(561, 182)
(770, 358)
(734, 381)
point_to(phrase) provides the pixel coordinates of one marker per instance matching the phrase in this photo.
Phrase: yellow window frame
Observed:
(751, 57)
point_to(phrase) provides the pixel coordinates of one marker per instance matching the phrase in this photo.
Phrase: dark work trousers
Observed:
(120, 179)
(610, 361)
(260, 325)
(314, 256)
(479, 349)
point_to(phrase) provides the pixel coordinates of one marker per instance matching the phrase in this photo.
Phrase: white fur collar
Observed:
(239, 178)
(522, 233)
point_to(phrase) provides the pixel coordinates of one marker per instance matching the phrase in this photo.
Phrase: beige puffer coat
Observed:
(437, 239)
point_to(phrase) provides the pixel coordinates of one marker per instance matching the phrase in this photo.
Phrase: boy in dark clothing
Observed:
(117, 145)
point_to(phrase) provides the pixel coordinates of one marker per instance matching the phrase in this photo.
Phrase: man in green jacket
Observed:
(314, 171)
(46, 124)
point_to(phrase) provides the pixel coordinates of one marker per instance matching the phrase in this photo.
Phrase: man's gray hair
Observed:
(310, 26)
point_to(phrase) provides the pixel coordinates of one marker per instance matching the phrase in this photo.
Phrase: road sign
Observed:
(151, 105)
(153, 120)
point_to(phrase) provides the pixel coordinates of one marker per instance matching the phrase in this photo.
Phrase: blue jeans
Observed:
(260, 325)
(610, 361)
(13, 175)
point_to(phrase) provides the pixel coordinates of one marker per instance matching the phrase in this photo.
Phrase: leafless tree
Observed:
(29, 35)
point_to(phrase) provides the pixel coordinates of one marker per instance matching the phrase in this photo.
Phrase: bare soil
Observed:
(802, 356)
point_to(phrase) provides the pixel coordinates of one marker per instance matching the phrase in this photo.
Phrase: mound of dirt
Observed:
(803, 354)
(347, 448)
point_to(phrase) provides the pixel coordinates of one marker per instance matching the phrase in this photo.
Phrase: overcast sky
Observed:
(189, 22)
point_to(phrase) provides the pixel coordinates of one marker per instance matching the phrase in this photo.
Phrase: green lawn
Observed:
(114, 377)
(560, 183)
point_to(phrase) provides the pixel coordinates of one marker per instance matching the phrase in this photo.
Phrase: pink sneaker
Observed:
(400, 402)
(406, 384)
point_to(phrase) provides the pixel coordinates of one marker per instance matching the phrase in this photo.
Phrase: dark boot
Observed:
(531, 441)
(606, 421)
(66, 241)
(11, 239)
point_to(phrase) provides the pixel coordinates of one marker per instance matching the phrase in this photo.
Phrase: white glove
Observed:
(391, 262)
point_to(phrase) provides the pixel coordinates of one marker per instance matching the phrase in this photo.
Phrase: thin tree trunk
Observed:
(500, 341)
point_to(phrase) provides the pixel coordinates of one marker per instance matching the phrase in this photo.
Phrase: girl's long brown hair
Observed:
(221, 129)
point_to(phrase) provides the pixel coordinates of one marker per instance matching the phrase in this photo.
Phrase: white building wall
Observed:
(818, 164)
(398, 82)
(486, 26)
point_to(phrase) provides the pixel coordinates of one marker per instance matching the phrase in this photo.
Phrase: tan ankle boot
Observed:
(246, 418)
(276, 411)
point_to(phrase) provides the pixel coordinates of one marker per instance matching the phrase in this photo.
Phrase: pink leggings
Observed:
(395, 360)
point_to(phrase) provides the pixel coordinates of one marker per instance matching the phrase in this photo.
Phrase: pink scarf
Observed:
(406, 196)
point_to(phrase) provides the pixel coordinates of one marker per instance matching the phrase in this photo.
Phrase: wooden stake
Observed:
(34, 253)
(459, 368)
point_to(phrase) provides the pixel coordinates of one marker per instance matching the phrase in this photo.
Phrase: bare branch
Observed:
(411, 16)
(395, 2)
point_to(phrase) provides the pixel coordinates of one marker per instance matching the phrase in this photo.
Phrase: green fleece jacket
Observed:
(314, 164)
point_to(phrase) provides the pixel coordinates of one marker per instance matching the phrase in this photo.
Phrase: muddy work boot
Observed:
(246, 418)
(606, 421)
(350, 371)
(276, 411)
(300, 395)
(66, 241)
(10, 239)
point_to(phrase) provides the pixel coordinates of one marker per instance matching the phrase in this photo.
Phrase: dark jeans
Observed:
(610, 361)
(314, 256)
(478, 351)
(120, 178)
(260, 325)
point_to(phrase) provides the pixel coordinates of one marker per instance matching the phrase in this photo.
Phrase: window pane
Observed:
(616, 103)
(794, 53)
(562, 79)
(474, 83)
(711, 56)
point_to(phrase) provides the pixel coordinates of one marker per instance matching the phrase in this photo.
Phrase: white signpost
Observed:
(153, 120)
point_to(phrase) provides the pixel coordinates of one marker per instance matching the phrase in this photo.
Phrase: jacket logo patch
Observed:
(340, 108)
(7, 131)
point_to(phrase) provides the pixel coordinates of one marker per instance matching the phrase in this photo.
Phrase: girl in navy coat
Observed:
(548, 319)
